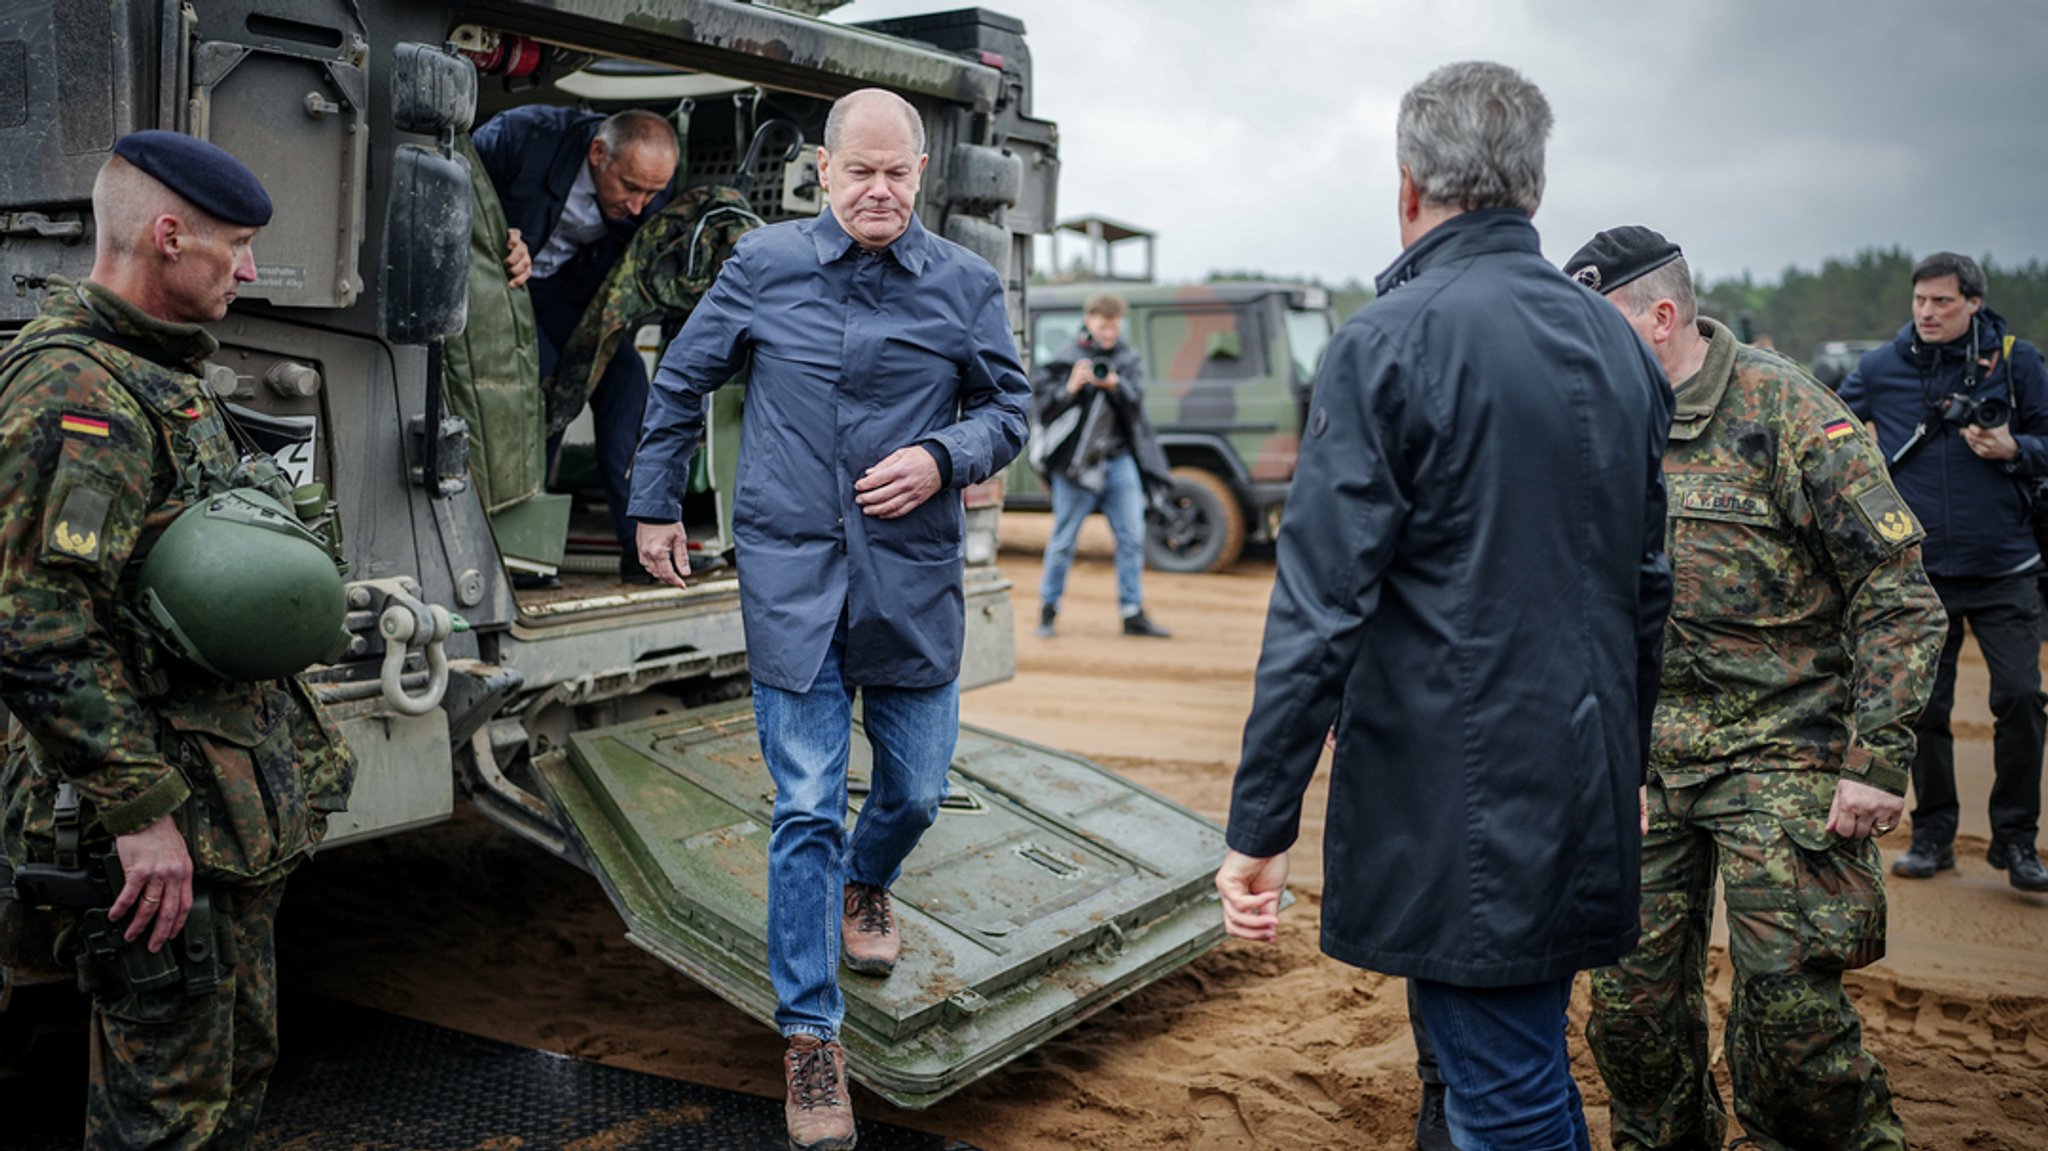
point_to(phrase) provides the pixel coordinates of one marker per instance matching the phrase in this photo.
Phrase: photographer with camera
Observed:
(1961, 410)
(1093, 443)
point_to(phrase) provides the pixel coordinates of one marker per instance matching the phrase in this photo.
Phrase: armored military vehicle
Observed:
(1228, 370)
(602, 722)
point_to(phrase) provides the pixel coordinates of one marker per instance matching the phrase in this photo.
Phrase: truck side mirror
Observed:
(433, 90)
(425, 278)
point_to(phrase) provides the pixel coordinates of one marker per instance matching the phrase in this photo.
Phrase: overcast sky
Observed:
(1259, 134)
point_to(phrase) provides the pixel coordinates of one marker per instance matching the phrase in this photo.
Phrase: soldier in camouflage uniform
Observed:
(1800, 649)
(209, 792)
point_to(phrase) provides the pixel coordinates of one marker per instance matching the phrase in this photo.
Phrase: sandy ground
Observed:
(1250, 1047)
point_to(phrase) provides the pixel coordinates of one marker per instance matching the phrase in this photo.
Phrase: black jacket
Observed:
(1472, 585)
(1976, 511)
(1076, 435)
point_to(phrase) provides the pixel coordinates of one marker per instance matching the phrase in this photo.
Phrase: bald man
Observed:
(188, 797)
(882, 379)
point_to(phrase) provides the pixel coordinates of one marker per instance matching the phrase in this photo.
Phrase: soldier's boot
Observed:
(2021, 864)
(1046, 614)
(1137, 624)
(868, 942)
(1432, 1126)
(1924, 860)
(817, 1111)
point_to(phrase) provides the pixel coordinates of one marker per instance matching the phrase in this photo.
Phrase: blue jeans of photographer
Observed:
(1122, 503)
(806, 739)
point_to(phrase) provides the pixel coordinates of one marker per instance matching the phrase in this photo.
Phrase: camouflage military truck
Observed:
(604, 723)
(1228, 371)
(1834, 360)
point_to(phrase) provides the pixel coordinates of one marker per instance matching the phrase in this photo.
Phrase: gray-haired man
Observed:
(1472, 586)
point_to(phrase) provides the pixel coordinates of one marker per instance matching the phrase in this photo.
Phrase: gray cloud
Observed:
(1757, 134)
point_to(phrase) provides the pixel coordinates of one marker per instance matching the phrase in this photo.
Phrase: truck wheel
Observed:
(1204, 526)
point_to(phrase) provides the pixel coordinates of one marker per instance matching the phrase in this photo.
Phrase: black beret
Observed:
(201, 172)
(1618, 255)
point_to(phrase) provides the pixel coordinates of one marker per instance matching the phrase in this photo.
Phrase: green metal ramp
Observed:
(1048, 888)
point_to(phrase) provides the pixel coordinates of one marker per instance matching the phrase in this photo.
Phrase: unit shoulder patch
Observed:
(78, 530)
(1887, 514)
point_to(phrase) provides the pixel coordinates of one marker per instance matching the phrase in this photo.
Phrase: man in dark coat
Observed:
(575, 186)
(1961, 408)
(1472, 587)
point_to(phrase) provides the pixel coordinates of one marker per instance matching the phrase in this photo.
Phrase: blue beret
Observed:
(201, 172)
(1619, 255)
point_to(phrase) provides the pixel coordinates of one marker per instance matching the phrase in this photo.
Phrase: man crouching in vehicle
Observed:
(153, 807)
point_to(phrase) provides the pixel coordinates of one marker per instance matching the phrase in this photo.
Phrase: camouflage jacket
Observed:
(98, 445)
(664, 272)
(1803, 633)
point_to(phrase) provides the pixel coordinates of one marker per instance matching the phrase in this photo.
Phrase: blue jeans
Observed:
(1507, 1078)
(805, 739)
(1122, 503)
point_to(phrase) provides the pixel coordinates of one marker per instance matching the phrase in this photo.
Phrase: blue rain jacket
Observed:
(849, 356)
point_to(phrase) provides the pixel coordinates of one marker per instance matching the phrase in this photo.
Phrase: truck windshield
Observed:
(1308, 333)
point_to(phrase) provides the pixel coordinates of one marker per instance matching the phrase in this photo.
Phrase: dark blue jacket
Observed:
(850, 355)
(1472, 585)
(532, 155)
(1975, 510)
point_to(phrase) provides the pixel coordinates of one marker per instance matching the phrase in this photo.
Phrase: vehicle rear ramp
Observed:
(1047, 889)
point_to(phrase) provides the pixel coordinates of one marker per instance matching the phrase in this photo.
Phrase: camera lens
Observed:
(1992, 412)
(1100, 369)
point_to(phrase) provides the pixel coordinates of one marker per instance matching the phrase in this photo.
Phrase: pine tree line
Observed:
(1866, 297)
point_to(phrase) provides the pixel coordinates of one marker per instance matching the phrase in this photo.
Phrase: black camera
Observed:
(1984, 412)
(1098, 369)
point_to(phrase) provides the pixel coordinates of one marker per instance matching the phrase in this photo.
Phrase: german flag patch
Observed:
(80, 424)
(1838, 429)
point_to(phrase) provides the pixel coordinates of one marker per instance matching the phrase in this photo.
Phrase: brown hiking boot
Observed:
(868, 942)
(818, 1112)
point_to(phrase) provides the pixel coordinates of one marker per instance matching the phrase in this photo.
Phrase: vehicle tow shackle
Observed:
(405, 624)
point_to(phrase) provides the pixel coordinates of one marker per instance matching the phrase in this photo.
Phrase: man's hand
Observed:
(897, 485)
(664, 552)
(1991, 443)
(1643, 809)
(518, 261)
(1861, 810)
(1251, 890)
(158, 888)
(1080, 377)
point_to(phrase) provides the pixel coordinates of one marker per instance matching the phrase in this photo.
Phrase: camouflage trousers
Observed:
(1803, 907)
(174, 1071)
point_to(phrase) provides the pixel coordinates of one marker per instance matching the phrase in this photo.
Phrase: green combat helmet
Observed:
(238, 586)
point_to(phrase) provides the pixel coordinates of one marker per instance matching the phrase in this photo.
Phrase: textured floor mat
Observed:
(353, 1079)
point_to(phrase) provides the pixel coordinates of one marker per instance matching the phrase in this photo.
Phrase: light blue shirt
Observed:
(850, 355)
(582, 221)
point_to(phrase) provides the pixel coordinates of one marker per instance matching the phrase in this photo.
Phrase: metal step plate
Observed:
(354, 1079)
(1048, 888)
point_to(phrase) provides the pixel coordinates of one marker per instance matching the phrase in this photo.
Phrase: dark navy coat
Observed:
(532, 155)
(1976, 511)
(850, 355)
(1472, 586)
